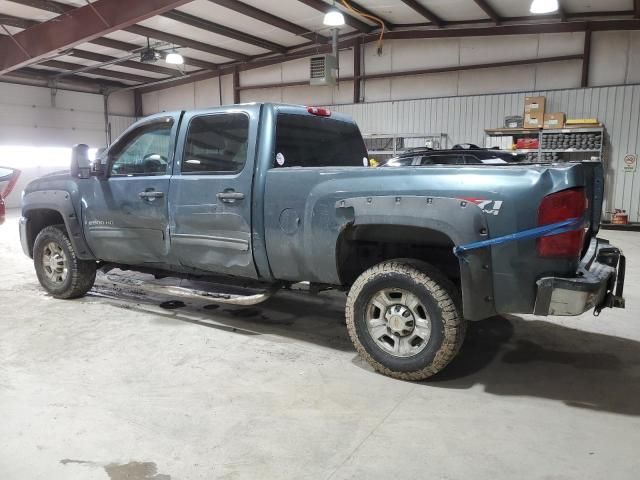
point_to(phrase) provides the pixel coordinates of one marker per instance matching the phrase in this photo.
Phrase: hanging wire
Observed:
(370, 17)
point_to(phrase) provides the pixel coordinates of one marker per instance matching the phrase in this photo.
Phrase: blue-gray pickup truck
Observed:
(277, 194)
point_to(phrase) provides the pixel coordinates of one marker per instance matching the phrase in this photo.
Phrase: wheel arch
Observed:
(424, 228)
(43, 208)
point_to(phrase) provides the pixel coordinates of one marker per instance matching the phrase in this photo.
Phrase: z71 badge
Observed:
(492, 207)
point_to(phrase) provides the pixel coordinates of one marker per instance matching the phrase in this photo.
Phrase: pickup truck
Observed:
(279, 194)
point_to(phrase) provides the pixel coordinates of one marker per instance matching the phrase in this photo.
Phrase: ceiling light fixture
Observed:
(333, 18)
(544, 6)
(174, 58)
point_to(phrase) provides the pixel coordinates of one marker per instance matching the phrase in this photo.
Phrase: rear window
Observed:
(310, 141)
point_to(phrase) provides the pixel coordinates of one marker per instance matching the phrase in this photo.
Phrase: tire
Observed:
(408, 346)
(58, 268)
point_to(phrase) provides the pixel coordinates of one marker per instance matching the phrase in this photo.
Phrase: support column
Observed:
(586, 57)
(137, 103)
(236, 85)
(357, 59)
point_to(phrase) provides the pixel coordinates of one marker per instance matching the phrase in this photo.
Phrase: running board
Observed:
(194, 294)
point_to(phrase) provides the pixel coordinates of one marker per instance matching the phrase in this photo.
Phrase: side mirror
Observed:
(80, 163)
(100, 167)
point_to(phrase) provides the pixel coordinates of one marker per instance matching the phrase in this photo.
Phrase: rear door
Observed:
(210, 192)
(125, 215)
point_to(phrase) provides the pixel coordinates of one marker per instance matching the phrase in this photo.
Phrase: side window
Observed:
(145, 151)
(216, 144)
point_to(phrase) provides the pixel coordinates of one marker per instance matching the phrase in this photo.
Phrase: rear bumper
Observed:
(599, 283)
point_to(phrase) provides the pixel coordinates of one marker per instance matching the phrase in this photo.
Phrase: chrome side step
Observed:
(195, 294)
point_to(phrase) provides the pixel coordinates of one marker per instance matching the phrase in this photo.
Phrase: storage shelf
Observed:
(546, 134)
(568, 150)
(546, 131)
(511, 131)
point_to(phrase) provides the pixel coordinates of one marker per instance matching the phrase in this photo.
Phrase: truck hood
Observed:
(48, 181)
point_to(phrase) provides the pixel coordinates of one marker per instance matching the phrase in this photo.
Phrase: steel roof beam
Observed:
(489, 10)
(185, 42)
(100, 58)
(48, 76)
(113, 44)
(524, 29)
(53, 6)
(425, 12)
(101, 72)
(270, 19)
(78, 26)
(228, 32)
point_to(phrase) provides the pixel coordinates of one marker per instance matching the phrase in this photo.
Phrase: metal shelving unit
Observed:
(385, 146)
(554, 145)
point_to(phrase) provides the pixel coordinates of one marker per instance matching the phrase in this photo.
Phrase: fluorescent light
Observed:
(174, 58)
(333, 18)
(544, 6)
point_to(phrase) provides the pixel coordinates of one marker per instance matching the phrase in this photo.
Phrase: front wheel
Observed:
(59, 270)
(403, 319)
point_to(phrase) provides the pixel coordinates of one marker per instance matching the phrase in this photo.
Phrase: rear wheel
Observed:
(403, 319)
(59, 270)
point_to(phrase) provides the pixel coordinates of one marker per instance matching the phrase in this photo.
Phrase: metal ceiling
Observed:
(224, 36)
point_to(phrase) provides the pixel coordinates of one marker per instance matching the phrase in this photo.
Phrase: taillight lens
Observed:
(319, 111)
(558, 207)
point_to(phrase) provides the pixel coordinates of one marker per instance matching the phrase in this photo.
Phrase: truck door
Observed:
(210, 192)
(125, 215)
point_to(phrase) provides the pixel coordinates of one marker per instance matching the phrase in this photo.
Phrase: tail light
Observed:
(319, 111)
(558, 207)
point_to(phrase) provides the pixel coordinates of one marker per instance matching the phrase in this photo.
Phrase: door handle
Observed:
(230, 197)
(151, 194)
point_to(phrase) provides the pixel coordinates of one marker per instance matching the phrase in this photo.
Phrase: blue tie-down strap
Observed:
(543, 231)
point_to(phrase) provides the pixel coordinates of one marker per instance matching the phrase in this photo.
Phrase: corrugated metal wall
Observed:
(465, 118)
(118, 124)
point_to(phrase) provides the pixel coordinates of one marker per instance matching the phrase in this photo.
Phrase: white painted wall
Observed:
(615, 60)
(206, 93)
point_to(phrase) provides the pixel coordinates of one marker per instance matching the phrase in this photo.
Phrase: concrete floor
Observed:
(113, 387)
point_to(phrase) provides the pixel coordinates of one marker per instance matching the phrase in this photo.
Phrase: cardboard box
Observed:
(533, 120)
(534, 105)
(554, 120)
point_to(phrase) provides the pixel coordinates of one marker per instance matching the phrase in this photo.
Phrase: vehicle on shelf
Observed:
(270, 195)
(464, 154)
